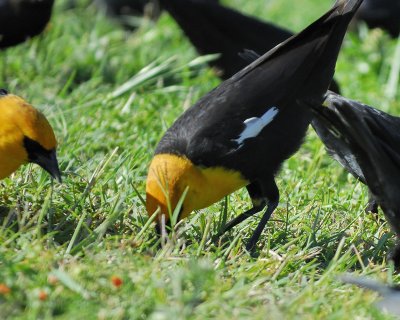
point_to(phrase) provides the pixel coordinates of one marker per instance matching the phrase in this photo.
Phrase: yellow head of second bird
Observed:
(25, 136)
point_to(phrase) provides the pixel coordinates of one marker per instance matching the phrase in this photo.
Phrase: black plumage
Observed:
(130, 12)
(383, 14)
(214, 28)
(339, 149)
(334, 145)
(22, 19)
(248, 125)
(371, 138)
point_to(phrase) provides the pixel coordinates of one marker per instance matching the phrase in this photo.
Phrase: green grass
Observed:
(110, 96)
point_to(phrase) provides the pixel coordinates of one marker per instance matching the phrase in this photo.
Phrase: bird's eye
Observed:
(3, 92)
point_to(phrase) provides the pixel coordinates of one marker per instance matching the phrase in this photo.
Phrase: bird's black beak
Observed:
(49, 163)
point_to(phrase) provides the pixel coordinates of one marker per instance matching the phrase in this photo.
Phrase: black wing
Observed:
(372, 137)
(336, 146)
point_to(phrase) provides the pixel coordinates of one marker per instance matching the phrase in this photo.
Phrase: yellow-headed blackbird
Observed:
(239, 134)
(369, 146)
(22, 19)
(214, 28)
(25, 136)
(383, 14)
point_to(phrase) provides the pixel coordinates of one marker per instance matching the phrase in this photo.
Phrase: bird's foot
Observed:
(251, 248)
(394, 256)
(372, 207)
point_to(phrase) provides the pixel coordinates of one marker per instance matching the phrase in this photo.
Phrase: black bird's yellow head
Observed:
(170, 176)
(25, 136)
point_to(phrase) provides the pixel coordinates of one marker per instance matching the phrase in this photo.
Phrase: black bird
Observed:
(129, 12)
(213, 28)
(22, 19)
(371, 139)
(239, 134)
(383, 14)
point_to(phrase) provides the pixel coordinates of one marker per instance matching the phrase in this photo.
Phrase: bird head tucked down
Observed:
(172, 177)
(25, 136)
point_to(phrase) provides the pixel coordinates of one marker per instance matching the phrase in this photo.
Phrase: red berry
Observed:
(116, 281)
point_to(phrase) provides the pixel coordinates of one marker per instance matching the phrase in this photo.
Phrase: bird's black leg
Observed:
(262, 194)
(271, 192)
(259, 203)
(372, 203)
(394, 255)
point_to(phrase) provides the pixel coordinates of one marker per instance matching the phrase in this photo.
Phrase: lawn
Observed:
(85, 249)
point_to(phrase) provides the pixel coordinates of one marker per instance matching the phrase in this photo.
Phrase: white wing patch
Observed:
(255, 125)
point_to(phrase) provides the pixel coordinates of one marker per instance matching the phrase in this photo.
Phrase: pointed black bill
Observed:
(49, 163)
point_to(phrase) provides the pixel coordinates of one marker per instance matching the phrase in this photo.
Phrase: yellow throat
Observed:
(169, 175)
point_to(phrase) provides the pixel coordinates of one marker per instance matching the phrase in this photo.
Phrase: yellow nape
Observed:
(169, 176)
(18, 119)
